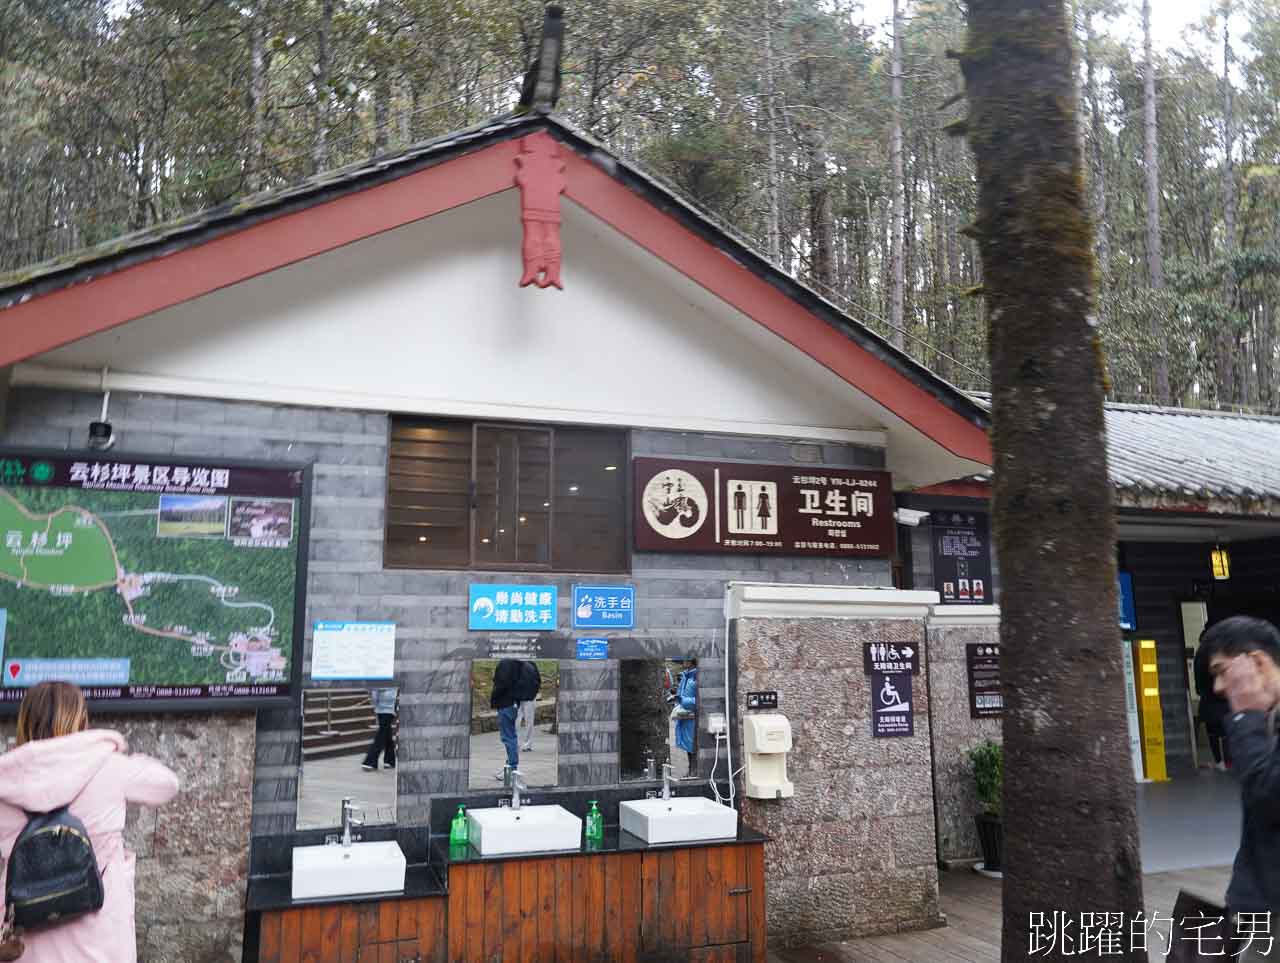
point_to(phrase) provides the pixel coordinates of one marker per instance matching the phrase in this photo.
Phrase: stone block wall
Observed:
(950, 629)
(853, 851)
(193, 854)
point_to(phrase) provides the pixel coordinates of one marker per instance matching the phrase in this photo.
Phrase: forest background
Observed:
(795, 123)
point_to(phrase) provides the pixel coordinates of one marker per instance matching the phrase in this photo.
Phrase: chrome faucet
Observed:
(350, 819)
(668, 777)
(517, 787)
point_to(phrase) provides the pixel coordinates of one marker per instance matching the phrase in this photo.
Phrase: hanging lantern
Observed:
(1221, 563)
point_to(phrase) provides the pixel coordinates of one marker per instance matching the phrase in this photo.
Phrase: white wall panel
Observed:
(428, 318)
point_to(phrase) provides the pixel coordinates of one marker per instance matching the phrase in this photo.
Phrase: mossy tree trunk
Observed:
(1069, 803)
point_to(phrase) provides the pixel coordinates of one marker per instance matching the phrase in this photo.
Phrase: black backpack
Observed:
(530, 681)
(53, 872)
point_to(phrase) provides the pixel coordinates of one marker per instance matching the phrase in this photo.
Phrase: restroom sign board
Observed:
(684, 505)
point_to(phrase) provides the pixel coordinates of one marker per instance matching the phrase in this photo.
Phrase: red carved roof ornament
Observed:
(540, 177)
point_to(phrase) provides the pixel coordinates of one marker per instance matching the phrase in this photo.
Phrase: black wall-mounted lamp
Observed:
(1220, 562)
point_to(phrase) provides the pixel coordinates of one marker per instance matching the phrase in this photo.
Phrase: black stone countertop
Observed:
(615, 841)
(275, 892)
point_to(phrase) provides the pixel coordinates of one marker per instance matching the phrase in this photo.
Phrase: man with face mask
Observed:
(1243, 655)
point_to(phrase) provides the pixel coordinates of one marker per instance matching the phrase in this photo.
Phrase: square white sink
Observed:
(359, 869)
(684, 819)
(529, 829)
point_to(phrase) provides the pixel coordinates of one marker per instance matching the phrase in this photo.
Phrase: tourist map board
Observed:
(147, 579)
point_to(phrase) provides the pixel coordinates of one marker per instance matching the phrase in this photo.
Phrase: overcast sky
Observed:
(1169, 18)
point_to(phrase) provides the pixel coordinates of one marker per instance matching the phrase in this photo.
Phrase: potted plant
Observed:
(988, 773)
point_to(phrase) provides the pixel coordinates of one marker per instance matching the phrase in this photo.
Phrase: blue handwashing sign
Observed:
(604, 607)
(590, 650)
(1128, 610)
(512, 608)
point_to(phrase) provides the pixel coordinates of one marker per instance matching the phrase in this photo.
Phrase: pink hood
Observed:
(49, 773)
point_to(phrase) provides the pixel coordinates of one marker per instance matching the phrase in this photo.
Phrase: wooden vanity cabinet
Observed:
(390, 931)
(703, 904)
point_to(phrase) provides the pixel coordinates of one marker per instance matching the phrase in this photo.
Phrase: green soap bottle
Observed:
(458, 828)
(595, 823)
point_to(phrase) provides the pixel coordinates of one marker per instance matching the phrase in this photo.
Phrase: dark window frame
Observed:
(474, 494)
(475, 425)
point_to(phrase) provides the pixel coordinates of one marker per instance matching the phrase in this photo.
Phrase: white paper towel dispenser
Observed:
(767, 740)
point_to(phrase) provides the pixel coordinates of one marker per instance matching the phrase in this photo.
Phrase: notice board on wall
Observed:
(982, 666)
(961, 547)
(162, 583)
(345, 651)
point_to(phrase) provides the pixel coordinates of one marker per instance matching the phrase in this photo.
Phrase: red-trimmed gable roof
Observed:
(47, 306)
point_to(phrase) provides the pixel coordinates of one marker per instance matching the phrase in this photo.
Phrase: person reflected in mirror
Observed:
(505, 698)
(529, 686)
(1213, 710)
(684, 712)
(384, 741)
(1243, 655)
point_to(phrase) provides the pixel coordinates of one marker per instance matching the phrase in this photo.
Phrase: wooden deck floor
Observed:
(972, 935)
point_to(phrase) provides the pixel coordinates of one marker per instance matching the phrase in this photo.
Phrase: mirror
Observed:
(348, 752)
(513, 718)
(658, 717)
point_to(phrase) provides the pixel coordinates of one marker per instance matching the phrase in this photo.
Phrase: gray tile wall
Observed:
(679, 597)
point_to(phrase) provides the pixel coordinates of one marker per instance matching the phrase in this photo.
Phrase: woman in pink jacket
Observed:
(60, 761)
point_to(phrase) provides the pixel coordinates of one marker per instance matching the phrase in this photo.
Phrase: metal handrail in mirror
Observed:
(349, 751)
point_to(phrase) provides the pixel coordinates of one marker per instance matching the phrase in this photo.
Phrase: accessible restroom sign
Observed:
(890, 667)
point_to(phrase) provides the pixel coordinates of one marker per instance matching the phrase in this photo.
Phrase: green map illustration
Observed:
(192, 590)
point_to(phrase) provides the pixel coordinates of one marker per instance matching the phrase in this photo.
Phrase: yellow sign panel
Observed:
(1150, 716)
